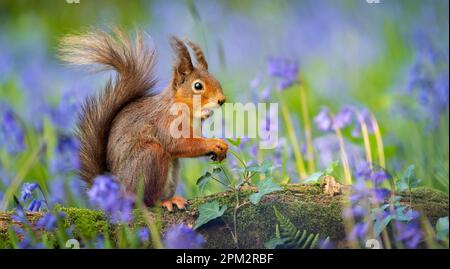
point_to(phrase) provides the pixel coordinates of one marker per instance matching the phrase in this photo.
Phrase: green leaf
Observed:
(275, 242)
(233, 142)
(330, 169)
(408, 180)
(442, 228)
(401, 185)
(204, 179)
(264, 186)
(208, 212)
(313, 178)
(201, 181)
(380, 224)
(263, 168)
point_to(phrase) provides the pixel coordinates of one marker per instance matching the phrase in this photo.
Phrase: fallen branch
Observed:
(307, 206)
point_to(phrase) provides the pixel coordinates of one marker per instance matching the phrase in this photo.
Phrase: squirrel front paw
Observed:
(218, 149)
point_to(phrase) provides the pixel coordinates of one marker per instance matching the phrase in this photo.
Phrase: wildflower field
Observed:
(362, 156)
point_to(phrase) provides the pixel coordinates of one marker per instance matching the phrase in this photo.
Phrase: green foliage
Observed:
(234, 142)
(314, 178)
(397, 211)
(265, 186)
(204, 179)
(265, 167)
(288, 236)
(317, 176)
(208, 212)
(442, 229)
(409, 180)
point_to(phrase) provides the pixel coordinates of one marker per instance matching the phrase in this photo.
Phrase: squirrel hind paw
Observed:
(178, 201)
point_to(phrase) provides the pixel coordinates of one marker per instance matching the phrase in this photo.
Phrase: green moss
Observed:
(305, 205)
(86, 223)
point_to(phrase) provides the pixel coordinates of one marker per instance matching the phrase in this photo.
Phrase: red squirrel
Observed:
(125, 130)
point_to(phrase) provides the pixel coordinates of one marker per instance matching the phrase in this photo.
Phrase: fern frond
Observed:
(291, 237)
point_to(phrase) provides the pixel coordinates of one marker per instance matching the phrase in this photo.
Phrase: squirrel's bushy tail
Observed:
(134, 64)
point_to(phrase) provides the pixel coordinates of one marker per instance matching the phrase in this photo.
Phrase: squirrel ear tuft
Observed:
(183, 65)
(201, 60)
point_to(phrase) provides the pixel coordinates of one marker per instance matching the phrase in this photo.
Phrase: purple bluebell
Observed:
(12, 136)
(20, 216)
(284, 69)
(181, 236)
(99, 242)
(379, 177)
(35, 205)
(107, 194)
(323, 120)
(365, 116)
(143, 234)
(380, 195)
(65, 114)
(27, 190)
(408, 234)
(363, 170)
(359, 231)
(66, 156)
(343, 118)
(428, 81)
(57, 193)
(356, 212)
(328, 150)
(47, 222)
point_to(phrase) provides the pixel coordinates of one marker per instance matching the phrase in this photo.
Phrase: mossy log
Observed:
(307, 206)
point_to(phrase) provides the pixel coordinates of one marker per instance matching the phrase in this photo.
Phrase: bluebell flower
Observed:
(343, 118)
(181, 236)
(408, 234)
(143, 234)
(366, 118)
(27, 190)
(428, 81)
(65, 114)
(359, 231)
(284, 69)
(104, 192)
(107, 194)
(99, 242)
(356, 212)
(57, 193)
(379, 177)
(66, 156)
(35, 205)
(323, 120)
(328, 150)
(12, 136)
(380, 195)
(363, 170)
(47, 222)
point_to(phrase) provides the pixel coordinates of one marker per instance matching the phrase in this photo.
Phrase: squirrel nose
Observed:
(221, 101)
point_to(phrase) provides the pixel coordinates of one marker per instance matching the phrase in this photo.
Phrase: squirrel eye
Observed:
(198, 86)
